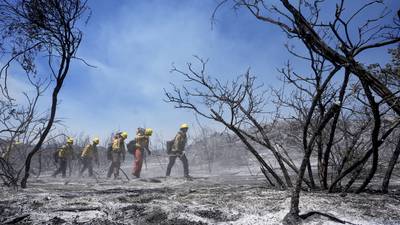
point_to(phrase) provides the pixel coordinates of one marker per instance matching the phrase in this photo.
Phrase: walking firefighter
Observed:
(88, 155)
(140, 148)
(63, 155)
(116, 154)
(176, 148)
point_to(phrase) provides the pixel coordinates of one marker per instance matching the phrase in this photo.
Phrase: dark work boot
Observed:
(188, 177)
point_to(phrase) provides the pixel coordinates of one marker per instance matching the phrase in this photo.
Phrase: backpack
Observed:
(131, 146)
(170, 144)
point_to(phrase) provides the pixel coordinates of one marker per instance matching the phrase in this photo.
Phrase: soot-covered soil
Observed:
(203, 200)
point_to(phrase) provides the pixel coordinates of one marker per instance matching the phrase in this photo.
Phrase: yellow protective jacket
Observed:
(179, 142)
(90, 151)
(66, 152)
(118, 145)
(142, 141)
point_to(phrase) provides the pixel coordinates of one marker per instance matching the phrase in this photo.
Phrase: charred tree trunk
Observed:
(250, 148)
(39, 163)
(363, 159)
(327, 153)
(293, 216)
(320, 161)
(374, 136)
(280, 159)
(267, 143)
(259, 158)
(314, 103)
(310, 174)
(354, 177)
(64, 67)
(392, 163)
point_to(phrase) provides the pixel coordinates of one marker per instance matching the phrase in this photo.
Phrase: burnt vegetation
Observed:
(331, 129)
(342, 115)
(34, 31)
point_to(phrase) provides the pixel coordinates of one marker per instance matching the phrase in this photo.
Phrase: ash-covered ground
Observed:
(232, 196)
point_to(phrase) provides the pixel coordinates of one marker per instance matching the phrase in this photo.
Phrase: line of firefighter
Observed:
(116, 153)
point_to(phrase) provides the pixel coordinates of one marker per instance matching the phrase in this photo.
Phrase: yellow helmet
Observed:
(124, 134)
(148, 132)
(70, 140)
(96, 141)
(184, 126)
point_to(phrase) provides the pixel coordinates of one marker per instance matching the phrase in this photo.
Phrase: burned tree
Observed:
(338, 40)
(33, 28)
(307, 99)
(20, 124)
(239, 105)
(333, 39)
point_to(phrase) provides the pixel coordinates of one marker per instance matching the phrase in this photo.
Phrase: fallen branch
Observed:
(331, 217)
(82, 209)
(16, 219)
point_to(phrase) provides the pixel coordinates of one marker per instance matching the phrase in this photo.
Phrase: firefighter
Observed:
(89, 154)
(178, 150)
(117, 154)
(142, 144)
(63, 155)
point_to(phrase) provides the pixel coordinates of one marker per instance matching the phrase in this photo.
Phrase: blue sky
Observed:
(133, 45)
